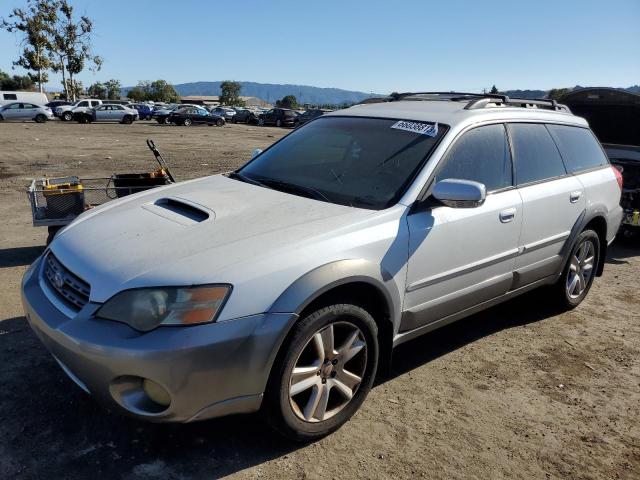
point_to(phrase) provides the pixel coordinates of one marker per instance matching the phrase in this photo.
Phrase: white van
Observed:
(38, 98)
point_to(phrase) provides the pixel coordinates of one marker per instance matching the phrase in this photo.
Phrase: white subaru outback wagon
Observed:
(283, 286)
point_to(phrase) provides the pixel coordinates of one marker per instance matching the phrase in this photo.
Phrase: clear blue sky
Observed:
(364, 45)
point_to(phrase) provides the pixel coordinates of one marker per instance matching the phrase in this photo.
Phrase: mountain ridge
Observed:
(271, 92)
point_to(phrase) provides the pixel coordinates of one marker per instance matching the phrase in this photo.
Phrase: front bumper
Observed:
(208, 370)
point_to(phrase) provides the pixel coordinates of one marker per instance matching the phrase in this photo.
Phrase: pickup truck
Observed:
(66, 112)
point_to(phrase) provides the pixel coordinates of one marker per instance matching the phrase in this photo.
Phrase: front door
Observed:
(461, 257)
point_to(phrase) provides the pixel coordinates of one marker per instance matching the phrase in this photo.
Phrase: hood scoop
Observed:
(179, 210)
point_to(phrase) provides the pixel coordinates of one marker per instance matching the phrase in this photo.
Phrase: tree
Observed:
(15, 82)
(494, 90)
(230, 93)
(158, 91)
(288, 101)
(556, 93)
(97, 90)
(70, 48)
(113, 89)
(161, 91)
(35, 24)
(137, 94)
(73, 89)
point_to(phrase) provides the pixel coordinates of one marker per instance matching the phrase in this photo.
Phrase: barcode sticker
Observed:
(429, 129)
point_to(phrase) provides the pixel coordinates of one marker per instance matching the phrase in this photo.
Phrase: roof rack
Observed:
(544, 103)
(484, 100)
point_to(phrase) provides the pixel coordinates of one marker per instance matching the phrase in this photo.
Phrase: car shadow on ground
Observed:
(19, 256)
(51, 429)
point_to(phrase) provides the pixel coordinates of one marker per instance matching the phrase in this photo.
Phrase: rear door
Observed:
(461, 257)
(552, 199)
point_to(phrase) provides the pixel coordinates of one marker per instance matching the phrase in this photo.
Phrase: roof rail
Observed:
(453, 95)
(545, 103)
(482, 100)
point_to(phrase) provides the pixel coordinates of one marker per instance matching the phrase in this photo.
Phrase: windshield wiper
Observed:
(292, 187)
(244, 178)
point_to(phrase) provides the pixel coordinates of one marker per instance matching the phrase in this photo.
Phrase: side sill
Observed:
(400, 338)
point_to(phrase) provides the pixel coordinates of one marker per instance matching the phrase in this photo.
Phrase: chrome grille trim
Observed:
(65, 284)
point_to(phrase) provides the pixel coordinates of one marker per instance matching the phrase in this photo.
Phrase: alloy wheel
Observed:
(580, 269)
(328, 372)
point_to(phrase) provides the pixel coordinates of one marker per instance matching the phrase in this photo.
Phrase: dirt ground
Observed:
(519, 391)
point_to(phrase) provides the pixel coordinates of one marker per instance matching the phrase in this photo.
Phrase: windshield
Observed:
(362, 162)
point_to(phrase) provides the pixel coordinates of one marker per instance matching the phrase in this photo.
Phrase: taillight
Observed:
(618, 176)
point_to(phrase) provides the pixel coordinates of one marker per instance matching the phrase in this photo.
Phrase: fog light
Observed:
(156, 393)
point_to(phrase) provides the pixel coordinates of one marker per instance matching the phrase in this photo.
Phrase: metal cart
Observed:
(56, 202)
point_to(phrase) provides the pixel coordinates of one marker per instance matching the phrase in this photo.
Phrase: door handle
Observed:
(575, 196)
(507, 215)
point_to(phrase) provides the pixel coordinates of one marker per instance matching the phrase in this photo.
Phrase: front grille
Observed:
(69, 287)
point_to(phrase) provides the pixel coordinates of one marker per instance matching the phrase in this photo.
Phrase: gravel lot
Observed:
(519, 391)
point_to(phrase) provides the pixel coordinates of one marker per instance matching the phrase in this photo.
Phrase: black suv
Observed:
(280, 117)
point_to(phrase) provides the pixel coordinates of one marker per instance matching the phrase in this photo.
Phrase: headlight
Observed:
(147, 308)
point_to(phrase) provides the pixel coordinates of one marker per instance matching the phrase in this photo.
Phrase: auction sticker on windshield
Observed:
(417, 127)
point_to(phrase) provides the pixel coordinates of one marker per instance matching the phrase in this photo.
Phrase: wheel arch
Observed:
(594, 220)
(358, 281)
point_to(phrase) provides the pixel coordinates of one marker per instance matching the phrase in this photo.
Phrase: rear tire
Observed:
(187, 122)
(278, 123)
(334, 351)
(579, 272)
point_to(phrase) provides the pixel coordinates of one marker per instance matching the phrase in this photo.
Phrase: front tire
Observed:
(187, 122)
(40, 118)
(278, 123)
(323, 373)
(67, 116)
(127, 120)
(579, 272)
(219, 122)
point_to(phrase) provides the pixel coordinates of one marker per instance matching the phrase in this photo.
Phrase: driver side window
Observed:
(481, 154)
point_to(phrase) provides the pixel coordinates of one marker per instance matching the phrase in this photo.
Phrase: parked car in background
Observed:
(107, 113)
(195, 116)
(66, 112)
(309, 115)
(226, 112)
(144, 111)
(280, 117)
(56, 103)
(161, 115)
(35, 98)
(246, 116)
(20, 111)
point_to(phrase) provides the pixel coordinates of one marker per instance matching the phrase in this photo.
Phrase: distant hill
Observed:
(272, 92)
(317, 95)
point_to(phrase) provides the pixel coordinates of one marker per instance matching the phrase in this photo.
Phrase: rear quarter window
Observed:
(10, 96)
(535, 153)
(579, 148)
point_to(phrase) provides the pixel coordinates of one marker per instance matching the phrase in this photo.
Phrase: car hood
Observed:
(193, 232)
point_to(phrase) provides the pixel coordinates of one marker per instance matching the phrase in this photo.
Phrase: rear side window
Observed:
(578, 147)
(482, 155)
(536, 155)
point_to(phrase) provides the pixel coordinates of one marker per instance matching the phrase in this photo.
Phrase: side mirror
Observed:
(460, 193)
(255, 153)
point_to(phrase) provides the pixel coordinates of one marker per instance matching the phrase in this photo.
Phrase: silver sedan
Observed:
(22, 111)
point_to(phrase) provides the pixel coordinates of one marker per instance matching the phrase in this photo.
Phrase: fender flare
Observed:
(320, 280)
(580, 224)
